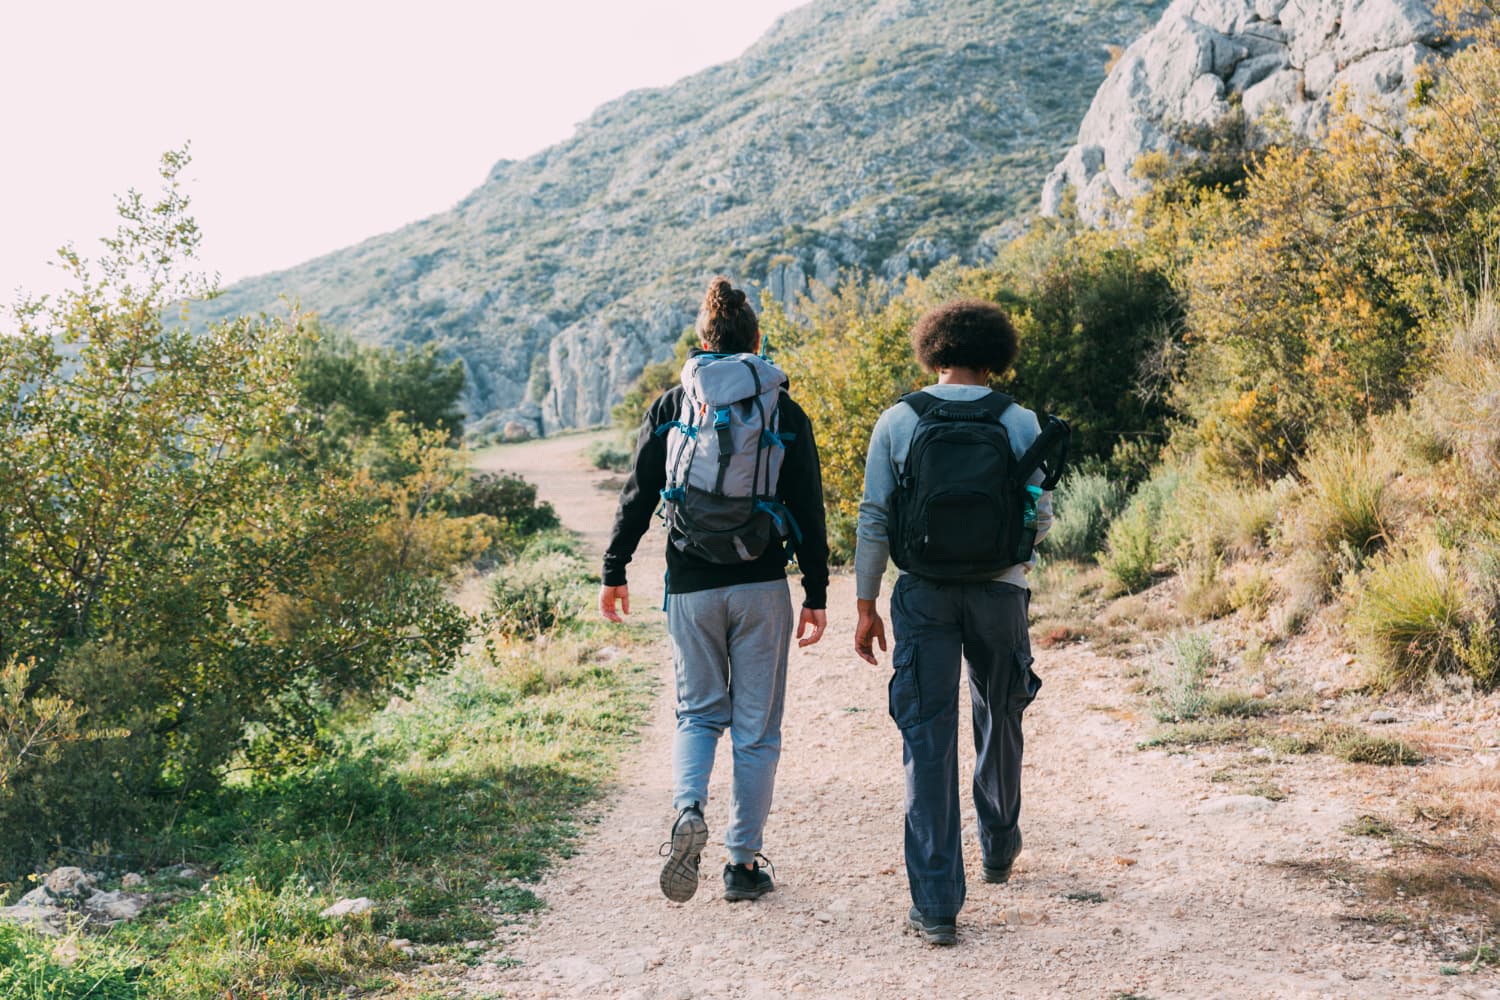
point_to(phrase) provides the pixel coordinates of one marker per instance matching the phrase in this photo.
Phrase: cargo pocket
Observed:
(905, 693)
(1024, 684)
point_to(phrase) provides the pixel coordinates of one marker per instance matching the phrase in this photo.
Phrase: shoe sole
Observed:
(997, 876)
(679, 876)
(943, 938)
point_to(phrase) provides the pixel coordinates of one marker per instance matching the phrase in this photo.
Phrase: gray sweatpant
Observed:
(730, 646)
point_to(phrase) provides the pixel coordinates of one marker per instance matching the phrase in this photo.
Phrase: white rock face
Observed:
(590, 360)
(1287, 55)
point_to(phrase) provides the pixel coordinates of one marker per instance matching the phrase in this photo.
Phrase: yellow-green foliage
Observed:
(1342, 507)
(848, 360)
(193, 555)
(1310, 297)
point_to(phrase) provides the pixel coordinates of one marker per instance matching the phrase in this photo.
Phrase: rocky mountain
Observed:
(885, 135)
(1293, 56)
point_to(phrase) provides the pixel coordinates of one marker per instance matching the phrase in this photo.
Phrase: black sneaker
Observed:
(942, 932)
(747, 883)
(679, 876)
(998, 874)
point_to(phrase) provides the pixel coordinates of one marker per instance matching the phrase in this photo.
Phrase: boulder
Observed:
(47, 920)
(113, 907)
(69, 884)
(348, 908)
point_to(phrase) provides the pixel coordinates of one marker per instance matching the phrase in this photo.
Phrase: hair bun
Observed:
(723, 298)
(726, 323)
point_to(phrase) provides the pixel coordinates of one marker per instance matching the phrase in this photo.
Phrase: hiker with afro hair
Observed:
(951, 601)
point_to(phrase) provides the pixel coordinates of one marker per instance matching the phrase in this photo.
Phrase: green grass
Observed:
(1202, 732)
(1345, 742)
(1409, 618)
(33, 968)
(1367, 825)
(443, 809)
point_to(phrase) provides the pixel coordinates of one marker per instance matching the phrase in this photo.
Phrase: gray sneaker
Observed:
(679, 876)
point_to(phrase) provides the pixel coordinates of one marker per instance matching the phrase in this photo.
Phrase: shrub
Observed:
(848, 359)
(179, 556)
(1206, 593)
(1410, 615)
(1463, 397)
(1179, 678)
(609, 456)
(512, 502)
(1082, 507)
(1253, 591)
(1143, 534)
(1098, 327)
(1342, 509)
(537, 594)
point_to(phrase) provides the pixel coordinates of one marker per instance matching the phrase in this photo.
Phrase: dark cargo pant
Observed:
(934, 623)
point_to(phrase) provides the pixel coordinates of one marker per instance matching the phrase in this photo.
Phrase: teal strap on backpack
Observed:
(688, 429)
(769, 439)
(787, 523)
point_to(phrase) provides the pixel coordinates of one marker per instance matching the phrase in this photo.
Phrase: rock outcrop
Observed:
(70, 894)
(1290, 55)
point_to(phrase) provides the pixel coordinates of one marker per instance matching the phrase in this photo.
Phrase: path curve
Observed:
(1139, 878)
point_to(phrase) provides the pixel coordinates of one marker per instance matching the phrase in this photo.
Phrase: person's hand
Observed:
(817, 620)
(609, 597)
(869, 632)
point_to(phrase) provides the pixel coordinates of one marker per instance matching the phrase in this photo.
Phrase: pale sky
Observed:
(313, 124)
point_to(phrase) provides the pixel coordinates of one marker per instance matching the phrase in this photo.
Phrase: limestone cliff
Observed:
(1289, 55)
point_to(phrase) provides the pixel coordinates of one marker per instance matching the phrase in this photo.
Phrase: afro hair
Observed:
(969, 333)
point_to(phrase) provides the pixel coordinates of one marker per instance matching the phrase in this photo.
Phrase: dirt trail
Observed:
(1140, 877)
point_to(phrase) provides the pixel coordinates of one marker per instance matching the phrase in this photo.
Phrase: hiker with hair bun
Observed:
(731, 460)
(957, 491)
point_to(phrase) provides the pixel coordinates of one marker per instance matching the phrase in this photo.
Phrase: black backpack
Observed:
(962, 511)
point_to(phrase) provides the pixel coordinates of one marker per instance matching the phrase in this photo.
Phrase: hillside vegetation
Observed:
(219, 556)
(879, 136)
(1288, 361)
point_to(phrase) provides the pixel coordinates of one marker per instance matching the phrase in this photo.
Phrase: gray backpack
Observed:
(724, 455)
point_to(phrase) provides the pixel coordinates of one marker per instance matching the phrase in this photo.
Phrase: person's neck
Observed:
(963, 376)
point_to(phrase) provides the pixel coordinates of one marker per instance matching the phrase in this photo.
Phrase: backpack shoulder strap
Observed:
(1048, 452)
(996, 402)
(920, 401)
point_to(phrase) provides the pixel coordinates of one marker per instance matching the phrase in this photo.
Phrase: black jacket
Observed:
(801, 488)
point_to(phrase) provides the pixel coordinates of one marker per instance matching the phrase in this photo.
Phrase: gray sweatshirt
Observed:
(889, 443)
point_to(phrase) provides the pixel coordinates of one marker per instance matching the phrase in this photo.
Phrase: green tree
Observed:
(179, 565)
(350, 389)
